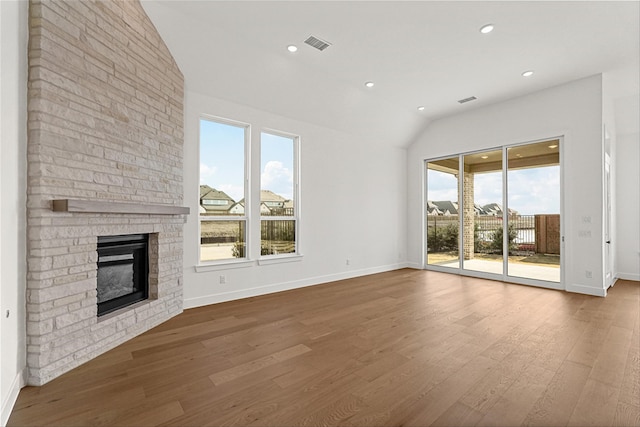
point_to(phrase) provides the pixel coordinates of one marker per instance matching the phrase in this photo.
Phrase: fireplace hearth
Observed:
(123, 271)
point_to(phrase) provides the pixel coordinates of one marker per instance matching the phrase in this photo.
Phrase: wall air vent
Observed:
(317, 43)
(471, 98)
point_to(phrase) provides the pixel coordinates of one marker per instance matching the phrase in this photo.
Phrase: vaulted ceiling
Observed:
(418, 53)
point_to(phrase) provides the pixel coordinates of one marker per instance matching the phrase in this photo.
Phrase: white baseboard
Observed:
(629, 276)
(415, 265)
(12, 396)
(285, 286)
(587, 290)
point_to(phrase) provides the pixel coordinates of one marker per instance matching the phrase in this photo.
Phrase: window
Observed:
(226, 227)
(215, 202)
(278, 194)
(223, 160)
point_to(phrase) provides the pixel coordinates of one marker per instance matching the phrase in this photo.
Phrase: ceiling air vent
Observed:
(317, 43)
(471, 98)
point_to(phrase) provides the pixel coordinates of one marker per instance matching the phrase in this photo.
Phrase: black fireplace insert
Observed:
(123, 271)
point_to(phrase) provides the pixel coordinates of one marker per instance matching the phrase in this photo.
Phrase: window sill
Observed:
(223, 265)
(277, 259)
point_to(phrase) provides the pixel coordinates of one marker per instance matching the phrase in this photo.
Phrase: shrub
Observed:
(442, 239)
(496, 240)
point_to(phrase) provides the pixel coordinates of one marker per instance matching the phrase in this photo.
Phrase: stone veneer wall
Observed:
(105, 122)
(469, 216)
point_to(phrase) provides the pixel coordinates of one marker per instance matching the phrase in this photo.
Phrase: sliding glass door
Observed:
(533, 198)
(482, 212)
(496, 212)
(442, 218)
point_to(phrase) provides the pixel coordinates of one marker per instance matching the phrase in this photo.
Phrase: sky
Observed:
(222, 160)
(531, 191)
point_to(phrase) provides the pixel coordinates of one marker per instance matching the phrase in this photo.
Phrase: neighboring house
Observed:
(273, 204)
(288, 205)
(446, 207)
(270, 204)
(271, 199)
(237, 208)
(495, 209)
(215, 201)
(265, 210)
(432, 209)
(478, 210)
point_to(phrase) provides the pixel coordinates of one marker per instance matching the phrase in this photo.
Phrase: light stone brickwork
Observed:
(468, 219)
(105, 122)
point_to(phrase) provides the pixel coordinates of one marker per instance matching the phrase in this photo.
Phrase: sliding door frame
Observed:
(504, 277)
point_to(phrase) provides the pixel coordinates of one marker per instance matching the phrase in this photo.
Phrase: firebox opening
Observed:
(123, 271)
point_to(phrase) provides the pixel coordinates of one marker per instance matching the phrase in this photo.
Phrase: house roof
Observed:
(446, 205)
(270, 196)
(492, 208)
(208, 193)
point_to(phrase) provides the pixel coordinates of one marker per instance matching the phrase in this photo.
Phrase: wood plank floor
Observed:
(409, 347)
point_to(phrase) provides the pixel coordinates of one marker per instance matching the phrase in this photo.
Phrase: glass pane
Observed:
(222, 169)
(222, 240)
(483, 212)
(443, 221)
(277, 170)
(277, 237)
(115, 280)
(533, 179)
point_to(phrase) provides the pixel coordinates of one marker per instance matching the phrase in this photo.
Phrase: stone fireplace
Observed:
(123, 271)
(105, 158)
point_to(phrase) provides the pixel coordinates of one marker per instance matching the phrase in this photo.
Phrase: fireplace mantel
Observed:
(110, 207)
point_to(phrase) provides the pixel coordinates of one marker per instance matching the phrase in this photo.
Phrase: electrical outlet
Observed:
(223, 279)
(348, 261)
(588, 274)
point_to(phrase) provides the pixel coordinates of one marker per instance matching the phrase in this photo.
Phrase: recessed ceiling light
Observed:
(369, 84)
(486, 29)
(553, 146)
(527, 73)
(292, 48)
(421, 108)
(484, 157)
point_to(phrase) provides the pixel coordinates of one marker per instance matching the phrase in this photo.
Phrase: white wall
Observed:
(353, 206)
(628, 206)
(573, 110)
(609, 147)
(13, 89)
(621, 90)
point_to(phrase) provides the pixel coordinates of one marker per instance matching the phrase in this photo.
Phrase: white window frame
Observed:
(296, 255)
(247, 198)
